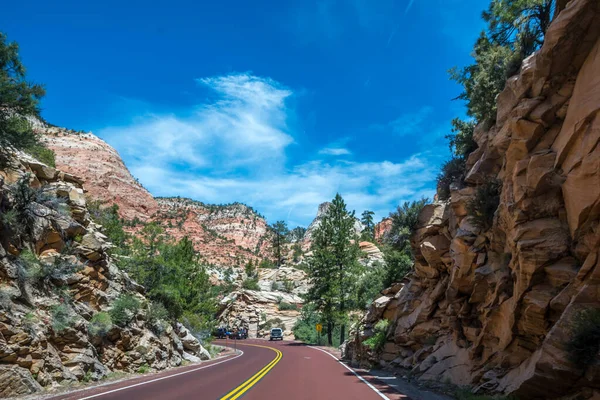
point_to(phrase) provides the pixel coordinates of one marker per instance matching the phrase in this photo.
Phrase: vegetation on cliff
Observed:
(18, 100)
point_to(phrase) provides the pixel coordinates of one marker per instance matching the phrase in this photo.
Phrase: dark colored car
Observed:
(221, 333)
(276, 334)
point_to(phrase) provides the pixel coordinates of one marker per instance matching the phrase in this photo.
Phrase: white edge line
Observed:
(383, 396)
(161, 378)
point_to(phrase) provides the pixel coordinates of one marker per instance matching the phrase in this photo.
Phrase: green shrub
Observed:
(461, 139)
(43, 272)
(266, 263)
(377, 341)
(584, 343)
(452, 171)
(276, 286)
(287, 306)
(251, 284)
(62, 317)
(144, 368)
(157, 316)
(272, 323)
(483, 205)
(100, 324)
(288, 286)
(43, 154)
(124, 308)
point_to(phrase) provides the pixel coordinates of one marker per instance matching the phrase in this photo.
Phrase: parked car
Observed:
(276, 334)
(221, 333)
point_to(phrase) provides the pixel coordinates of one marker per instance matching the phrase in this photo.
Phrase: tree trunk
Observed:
(342, 333)
(329, 333)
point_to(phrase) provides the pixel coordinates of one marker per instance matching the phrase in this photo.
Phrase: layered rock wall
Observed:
(494, 308)
(46, 308)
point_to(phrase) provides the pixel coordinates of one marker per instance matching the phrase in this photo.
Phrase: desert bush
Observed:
(483, 205)
(453, 171)
(250, 284)
(288, 286)
(62, 317)
(43, 273)
(43, 154)
(157, 316)
(584, 343)
(100, 324)
(276, 286)
(272, 323)
(379, 338)
(124, 308)
(266, 263)
(144, 368)
(287, 306)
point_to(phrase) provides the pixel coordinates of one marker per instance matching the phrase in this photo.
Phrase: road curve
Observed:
(287, 370)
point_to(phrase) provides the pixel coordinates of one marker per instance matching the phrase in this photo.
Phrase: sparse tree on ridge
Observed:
(280, 233)
(367, 220)
(18, 99)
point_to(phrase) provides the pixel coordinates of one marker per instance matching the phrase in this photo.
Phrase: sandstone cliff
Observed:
(225, 235)
(494, 308)
(55, 277)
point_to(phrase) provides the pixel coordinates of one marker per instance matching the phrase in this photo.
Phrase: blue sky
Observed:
(277, 104)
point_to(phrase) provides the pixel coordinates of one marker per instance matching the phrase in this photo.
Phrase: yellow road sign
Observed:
(319, 327)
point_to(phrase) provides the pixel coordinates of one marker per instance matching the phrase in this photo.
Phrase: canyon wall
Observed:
(494, 308)
(63, 278)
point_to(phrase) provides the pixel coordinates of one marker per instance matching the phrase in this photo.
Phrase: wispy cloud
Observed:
(407, 124)
(335, 151)
(234, 148)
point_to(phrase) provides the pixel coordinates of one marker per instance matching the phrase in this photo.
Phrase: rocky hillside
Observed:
(495, 306)
(61, 294)
(225, 235)
(323, 207)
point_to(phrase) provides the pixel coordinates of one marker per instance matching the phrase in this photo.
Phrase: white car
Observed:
(276, 334)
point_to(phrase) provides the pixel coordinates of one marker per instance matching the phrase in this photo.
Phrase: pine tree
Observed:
(367, 221)
(18, 98)
(334, 269)
(280, 232)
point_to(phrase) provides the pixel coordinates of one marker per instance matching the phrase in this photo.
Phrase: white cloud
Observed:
(233, 148)
(335, 151)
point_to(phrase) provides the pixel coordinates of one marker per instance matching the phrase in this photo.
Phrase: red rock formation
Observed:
(382, 229)
(104, 174)
(494, 308)
(228, 235)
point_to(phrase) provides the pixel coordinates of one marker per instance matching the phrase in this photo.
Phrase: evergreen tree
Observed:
(18, 99)
(334, 269)
(367, 220)
(280, 233)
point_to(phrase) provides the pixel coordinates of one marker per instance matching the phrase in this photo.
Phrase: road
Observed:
(277, 370)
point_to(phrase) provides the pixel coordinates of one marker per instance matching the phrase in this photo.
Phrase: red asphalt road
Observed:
(302, 373)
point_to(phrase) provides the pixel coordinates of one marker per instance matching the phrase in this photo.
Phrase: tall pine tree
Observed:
(334, 268)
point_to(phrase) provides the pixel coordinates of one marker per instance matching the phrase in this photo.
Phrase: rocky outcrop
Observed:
(101, 169)
(494, 308)
(259, 311)
(382, 230)
(55, 276)
(225, 235)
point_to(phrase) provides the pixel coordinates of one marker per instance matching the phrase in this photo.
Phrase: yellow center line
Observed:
(253, 380)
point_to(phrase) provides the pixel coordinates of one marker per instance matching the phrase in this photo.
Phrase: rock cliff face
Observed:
(104, 174)
(494, 308)
(224, 235)
(383, 229)
(55, 276)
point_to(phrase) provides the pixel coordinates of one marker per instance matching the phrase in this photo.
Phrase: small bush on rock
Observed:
(483, 206)
(452, 171)
(124, 308)
(157, 316)
(287, 306)
(250, 284)
(584, 344)
(377, 341)
(62, 317)
(100, 324)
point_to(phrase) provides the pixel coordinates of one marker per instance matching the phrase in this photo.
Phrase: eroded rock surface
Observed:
(493, 309)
